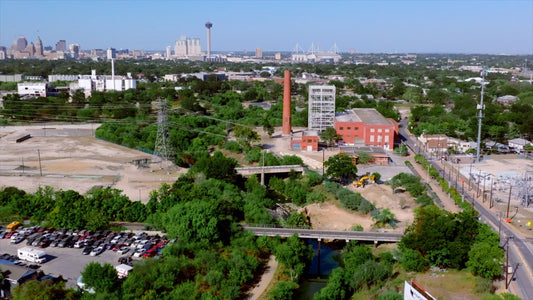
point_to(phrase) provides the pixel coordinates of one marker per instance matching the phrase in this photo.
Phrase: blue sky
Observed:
(422, 26)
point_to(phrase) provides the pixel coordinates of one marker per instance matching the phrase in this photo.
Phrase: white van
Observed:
(32, 255)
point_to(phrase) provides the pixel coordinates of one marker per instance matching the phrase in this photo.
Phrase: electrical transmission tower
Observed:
(161, 149)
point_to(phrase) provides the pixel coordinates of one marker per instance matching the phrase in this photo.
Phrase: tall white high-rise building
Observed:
(168, 52)
(74, 50)
(111, 53)
(187, 47)
(321, 107)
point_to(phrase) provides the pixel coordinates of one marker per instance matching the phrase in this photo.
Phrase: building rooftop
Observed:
(310, 133)
(368, 116)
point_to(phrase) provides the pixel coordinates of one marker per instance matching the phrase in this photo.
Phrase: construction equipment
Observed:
(364, 180)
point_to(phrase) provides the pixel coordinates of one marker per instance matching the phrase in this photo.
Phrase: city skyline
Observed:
(493, 27)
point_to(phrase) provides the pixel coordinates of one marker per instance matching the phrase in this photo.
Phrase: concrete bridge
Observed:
(390, 237)
(248, 171)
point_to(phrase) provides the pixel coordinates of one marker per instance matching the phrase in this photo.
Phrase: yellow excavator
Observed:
(363, 180)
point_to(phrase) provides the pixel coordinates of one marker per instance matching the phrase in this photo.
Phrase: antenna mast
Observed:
(480, 108)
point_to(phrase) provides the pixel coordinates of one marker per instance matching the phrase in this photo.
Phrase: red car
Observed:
(149, 253)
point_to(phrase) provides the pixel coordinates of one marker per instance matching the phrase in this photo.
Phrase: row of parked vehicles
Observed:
(91, 242)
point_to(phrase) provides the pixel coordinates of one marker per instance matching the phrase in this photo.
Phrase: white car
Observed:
(97, 251)
(138, 253)
(79, 244)
(123, 250)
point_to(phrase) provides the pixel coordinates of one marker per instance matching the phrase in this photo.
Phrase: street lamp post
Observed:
(484, 180)
(263, 170)
(323, 159)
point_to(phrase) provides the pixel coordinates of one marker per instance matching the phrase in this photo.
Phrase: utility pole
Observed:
(263, 170)
(507, 264)
(484, 180)
(490, 200)
(509, 201)
(480, 108)
(323, 159)
(40, 167)
(507, 279)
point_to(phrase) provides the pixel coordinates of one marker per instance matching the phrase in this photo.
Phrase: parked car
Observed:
(87, 250)
(125, 260)
(97, 251)
(17, 239)
(138, 253)
(123, 250)
(80, 244)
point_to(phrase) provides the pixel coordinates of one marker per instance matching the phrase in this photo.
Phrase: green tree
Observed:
(103, 278)
(44, 289)
(283, 290)
(245, 135)
(412, 260)
(329, 136)
(293, 254)
(364, 157)
(335, 288)
(485, 259)
(192, 221)
(341, 166)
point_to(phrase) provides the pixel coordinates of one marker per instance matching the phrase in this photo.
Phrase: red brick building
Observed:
(366, 126)
(307, 142)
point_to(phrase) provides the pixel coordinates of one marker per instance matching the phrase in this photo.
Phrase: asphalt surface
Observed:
(68, 262)
(520, 250)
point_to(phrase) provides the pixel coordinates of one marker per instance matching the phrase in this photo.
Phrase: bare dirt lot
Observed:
(70, 158)
(330, 216)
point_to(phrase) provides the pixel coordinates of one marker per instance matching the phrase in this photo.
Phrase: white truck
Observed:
(32, 255)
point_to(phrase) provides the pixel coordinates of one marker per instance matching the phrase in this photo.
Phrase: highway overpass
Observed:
(248, 171)
(390, 237)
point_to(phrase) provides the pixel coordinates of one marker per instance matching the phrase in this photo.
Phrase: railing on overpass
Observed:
(269, 169)
(328, 234)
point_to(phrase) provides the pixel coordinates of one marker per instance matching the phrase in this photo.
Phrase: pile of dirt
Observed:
(330, 216)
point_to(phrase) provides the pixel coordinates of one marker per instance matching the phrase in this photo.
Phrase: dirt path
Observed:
(267, 276)
(447, 202)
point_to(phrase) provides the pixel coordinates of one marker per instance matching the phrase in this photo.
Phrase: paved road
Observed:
(68, 262)
(328, 234)
(520, 249)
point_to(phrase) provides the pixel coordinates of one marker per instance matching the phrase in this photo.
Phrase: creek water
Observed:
(317, 275)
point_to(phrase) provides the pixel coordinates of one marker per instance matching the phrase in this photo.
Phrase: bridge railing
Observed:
(270, 167)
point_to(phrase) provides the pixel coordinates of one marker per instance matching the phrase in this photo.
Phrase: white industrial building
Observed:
(518, 144)
(103, 83)
(321, 112)
(37, 89)
(185, 47)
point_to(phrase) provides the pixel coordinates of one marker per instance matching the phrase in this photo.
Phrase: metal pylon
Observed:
(161, 148)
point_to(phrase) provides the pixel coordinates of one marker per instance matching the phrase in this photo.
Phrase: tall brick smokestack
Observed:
(286, 129)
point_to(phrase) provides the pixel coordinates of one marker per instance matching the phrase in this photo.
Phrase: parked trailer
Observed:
(123, 270)
(32, 255)
(23, 138)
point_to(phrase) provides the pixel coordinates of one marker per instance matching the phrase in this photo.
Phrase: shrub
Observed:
(315, 197)
(365, 206)
(233, 146)
(413, 261)
(424, 200)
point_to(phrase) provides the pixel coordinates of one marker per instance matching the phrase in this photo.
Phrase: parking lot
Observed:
(67, 262)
